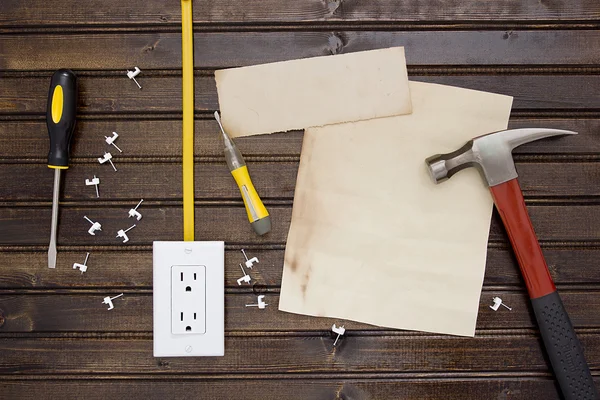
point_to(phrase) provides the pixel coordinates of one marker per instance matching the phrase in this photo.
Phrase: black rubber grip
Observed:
(563, 349)
(61, 132)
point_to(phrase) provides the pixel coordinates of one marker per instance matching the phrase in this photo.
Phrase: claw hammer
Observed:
(491, 154)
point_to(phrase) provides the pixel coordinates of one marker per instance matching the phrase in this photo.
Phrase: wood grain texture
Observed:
(21, 140)
(133, 313)
(121, 268)
(163, 50)
(273, 180)
(30, 225)
(501, 388)
(159, 13)
(28, 95)
(294, 354)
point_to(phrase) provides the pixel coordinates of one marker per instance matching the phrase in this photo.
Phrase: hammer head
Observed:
(491, 154)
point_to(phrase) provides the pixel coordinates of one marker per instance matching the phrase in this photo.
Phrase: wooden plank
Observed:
(566, 265)
(31, 225)
(21, 140)
(529, 92)
(430, 388)
(120, 51)
(22, 226)
(158, 13)
(28, 95)
(161, 138)
(273, 180)
(128, 269)
(264, 354)
(148, 181)
(133, 313)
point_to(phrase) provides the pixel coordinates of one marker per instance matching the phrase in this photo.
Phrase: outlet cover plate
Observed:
(209, 256)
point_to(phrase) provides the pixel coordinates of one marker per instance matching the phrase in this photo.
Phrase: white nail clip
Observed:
(134, 213)
(107, 157)
(82, 267)
(94, 181)
(108, 301)
(246, 278)
(123, 233)
(497, 303)
(95, 226)
(261, 304)
(250, 261)
(111, 140)
(339, 330)
(133, 74)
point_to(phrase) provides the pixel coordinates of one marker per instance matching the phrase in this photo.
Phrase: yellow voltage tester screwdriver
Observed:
(257, 213)
(60, 118)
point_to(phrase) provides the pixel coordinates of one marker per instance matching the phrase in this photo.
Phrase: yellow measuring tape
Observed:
(187, 60)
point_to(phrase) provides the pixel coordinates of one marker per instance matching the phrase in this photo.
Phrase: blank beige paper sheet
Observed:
(317, 91)
(372, 238)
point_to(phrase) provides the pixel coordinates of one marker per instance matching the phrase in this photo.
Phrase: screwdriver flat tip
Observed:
(52, 257)
(218, 118)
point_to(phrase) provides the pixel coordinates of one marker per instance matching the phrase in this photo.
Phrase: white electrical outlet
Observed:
(188, 298)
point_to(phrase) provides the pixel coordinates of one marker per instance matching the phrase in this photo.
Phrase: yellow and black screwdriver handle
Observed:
(60, 117)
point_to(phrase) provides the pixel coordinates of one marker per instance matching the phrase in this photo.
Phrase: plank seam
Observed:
(388, 25)
(413, 71)
(200, 115)
(337, 376)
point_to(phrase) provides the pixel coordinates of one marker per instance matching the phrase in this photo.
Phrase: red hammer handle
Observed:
(561, 343)
(511, 206)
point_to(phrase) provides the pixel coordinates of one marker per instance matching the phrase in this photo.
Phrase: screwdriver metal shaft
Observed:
(53, 228)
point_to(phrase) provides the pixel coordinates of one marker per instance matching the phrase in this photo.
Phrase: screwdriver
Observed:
(60, 119)
(257, 213)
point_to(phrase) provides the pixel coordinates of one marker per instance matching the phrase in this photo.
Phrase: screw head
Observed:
(188, 349)
(188, 250)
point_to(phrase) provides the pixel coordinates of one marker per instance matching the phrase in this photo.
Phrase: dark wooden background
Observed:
(58, 341)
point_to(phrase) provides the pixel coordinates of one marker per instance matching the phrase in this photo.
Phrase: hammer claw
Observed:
(517, 137)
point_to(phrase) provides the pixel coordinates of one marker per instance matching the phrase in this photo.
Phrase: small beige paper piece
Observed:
(372, 238)
(315, 91)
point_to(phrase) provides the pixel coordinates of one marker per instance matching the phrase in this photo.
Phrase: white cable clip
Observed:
(497, 303)
(82, 267)
(122, 233)
(133, 74)
(339, 330)
(111, 140)
(250, 261)
(107, 157)
(108, 301)
(246, 278)
(94, 181)
(134, 213)
(95, 226)
(261, 304)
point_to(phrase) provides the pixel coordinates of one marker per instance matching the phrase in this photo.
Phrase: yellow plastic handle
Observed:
(254, 205)
(57, 104)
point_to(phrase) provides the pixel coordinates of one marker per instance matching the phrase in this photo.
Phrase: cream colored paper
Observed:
(372, 238)
(315, 91)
